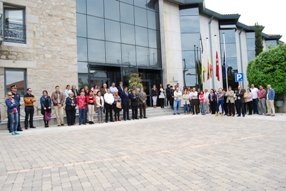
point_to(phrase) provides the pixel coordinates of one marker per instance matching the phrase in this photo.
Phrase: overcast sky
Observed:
(270, 14)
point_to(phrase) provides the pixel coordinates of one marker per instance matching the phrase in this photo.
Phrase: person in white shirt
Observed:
(177, 101)
(254, 93)
(109, 100)
(113, 88)
(194, 100)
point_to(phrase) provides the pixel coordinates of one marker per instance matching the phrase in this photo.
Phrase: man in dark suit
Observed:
(125, 103)
(120, 88)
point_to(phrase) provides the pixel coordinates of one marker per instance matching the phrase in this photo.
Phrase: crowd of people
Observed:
(104, 104)
(241, 101)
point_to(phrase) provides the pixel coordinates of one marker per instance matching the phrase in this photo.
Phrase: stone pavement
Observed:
(179, 153)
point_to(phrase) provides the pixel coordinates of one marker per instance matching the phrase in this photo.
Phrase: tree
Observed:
(135, 81)
(258, 39)
(269, 68)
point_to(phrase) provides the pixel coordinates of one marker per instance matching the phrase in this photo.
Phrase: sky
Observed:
(270, 14)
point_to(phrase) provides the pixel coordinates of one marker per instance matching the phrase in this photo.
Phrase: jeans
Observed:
(177, 105)
(82, 116)
(221, 104)
(13, 117)
(186, 108)
(202, 108)
(99, 111)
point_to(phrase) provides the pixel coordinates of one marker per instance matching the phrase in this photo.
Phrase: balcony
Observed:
(12, 32)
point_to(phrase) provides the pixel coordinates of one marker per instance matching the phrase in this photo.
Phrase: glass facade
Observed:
(230, 61)
(250, 41)
(190, 37)
(271, 43)
(117, 34)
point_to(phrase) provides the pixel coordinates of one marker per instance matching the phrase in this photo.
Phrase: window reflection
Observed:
(95, 7)
(190, 40)
(128, 55)
(111, 8)
(81, 49)
(128, 33)
(142, 56)
(141, 36)
(113, 53)
(81, 25)
(96, 51)
(81, 6)
(140, 17)
(140, 3)
(112, 31)
(126, 13)
(18, 77)
(95, 27)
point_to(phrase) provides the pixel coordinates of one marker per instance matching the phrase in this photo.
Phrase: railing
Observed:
(13, 32)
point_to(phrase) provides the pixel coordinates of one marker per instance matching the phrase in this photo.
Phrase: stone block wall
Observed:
(50, 53)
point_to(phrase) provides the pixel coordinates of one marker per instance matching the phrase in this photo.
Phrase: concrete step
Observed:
(38, 119)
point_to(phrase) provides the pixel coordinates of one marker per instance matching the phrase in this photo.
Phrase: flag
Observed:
(203, 74)
(217, 66)
(210, 70)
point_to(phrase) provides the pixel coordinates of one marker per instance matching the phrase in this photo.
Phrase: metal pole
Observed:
(211, 49)
(241, 63)
(225, 64)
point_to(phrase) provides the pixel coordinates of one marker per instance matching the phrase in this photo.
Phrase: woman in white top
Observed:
(177, 101)
(161, 96)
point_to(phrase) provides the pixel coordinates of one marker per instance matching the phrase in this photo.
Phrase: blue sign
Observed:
(238, 77)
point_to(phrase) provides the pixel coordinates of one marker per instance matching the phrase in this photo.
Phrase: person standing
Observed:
(113, 88)
(108, 105)
(16, 96)
(142, 103)
(230, 99)
(46, 107)
(202, 100)
(117, 106)
(99, 107)
(29, 100)
(67, 90)
(162, 96)
(12, 110)
(81, 104)
(213, 101)
(177, 101)
(220, 101)
(261, 101)
(254, 93)
(134, 104)
(186, 100)
(168, 94)
(125, 103)
(239, 101)
(120, 88)
(270, 96)
(248, 101)
(74, 90)
(70, 109)
(154, 95)
(91, 101)
(194, 101)
(58, 99)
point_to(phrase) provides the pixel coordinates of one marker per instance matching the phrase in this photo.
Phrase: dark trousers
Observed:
(238, 106)
(255, 106)
(195, 106)
(142, 109)
(29, 114)
(108, 111)
(172, 102)
(231, 110)
(249, 107)
(126, 112)
(134, 112)
(70, 116)
(162, 102)
(213, 106)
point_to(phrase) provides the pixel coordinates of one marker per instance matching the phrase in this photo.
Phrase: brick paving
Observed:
(177, 153)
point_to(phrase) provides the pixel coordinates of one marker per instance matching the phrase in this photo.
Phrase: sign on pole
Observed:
(238, 77)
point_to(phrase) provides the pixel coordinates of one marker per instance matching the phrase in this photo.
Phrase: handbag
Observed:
(118, 105)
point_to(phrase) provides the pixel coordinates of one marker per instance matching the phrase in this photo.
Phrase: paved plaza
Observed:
(179, 153)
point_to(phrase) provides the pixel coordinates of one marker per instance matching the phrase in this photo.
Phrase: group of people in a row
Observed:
(91, 103)
(240, 101)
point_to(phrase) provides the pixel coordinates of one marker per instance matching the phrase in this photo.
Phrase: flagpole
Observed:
(225, 65)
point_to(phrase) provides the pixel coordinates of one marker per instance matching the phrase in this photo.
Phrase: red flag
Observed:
(217, 66)
(210, 70)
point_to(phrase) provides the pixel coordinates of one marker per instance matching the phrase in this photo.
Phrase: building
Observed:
(50, 43)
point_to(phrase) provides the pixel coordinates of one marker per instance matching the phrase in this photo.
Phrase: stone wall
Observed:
(50, 53)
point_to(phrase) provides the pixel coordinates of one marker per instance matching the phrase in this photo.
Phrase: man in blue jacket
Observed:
(270, 96)
(12, 111)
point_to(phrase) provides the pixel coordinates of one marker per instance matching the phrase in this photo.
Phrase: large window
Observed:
(14, 24)
(17, 77)
(118, 32)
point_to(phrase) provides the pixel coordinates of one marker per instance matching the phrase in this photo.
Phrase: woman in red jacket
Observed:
(81, 104)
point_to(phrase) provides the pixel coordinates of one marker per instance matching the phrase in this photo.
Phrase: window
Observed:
(127, 33)
(81, 25)
(111, 9)
(141, 36)
(95, 27)
(95, 7)
(126, 13)
(14, 24)
(112, 31)
(140, 17)
(113, 53)
(18, 77)
(128, 55)
(96, 51)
